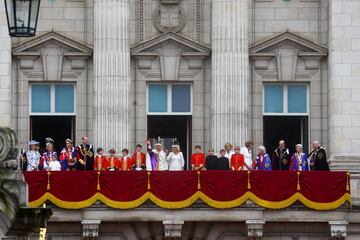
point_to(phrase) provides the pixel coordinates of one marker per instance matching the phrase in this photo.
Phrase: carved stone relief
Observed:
(169, 16)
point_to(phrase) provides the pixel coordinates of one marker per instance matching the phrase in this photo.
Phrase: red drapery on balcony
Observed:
(218, 189)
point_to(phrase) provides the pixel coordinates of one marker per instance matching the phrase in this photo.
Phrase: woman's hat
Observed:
(49, 140)
(33, 142)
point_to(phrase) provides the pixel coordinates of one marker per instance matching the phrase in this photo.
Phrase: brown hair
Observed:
(125, 150)
(248, 143)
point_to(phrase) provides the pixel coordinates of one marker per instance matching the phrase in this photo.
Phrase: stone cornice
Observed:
(309, 48)
(150, 44)
(29, 45)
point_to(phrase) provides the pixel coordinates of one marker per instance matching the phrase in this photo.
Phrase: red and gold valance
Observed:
(218, 189)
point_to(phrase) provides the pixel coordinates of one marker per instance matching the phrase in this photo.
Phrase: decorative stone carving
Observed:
(255, 229)
(338, 230)
(287, 58)
(15, 218)
(169, 64)
(52, 60)
(172, 229)
(141, 20)
(169, 16)
(161, 48)
(90, 229)
(198, 12)
(56, 49)
(286, 64)
(9, 150)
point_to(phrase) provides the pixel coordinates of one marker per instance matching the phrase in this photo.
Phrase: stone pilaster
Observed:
(111, 74)
(338, 230)
(255, 229)
(344, 87)
(90, 229)
(229, 72)
(5, 70)
(172, 229)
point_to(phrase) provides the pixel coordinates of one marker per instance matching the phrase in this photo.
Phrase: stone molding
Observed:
(338, 230)
(172, 229)
(169, 59)
(29, 51)
(90, 229)
(254, 229)
(265, 51)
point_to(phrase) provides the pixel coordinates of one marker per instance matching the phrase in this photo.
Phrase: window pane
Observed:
(273, 99)
(157, 98)
(297, 99)
(64, 98)
(40, 98)
(181, 98)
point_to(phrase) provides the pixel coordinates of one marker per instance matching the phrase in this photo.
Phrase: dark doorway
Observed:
(169, 128)
(292, 129)
(58, 128)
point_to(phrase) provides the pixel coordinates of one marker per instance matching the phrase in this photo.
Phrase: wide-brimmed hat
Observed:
(33, 142)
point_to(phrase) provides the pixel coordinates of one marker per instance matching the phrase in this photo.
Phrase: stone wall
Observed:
(344, 87)
(308, 18)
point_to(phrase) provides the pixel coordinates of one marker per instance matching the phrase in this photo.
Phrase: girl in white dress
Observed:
(176, 159)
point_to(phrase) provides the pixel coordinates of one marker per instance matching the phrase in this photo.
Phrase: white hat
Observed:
(33, 142)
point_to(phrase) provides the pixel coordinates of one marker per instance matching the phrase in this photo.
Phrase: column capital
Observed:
(338, 230)
(255, 229)
(90, 229)
(172, 229)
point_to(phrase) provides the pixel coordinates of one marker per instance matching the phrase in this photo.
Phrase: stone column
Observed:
(255, 229)
(5, 70)
(338, 230)
(344, 87)
(172, 229)
(111, 74)
(90, 229)
(229, 72)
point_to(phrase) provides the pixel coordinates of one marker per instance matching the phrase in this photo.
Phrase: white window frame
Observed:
(52, 100)
(169, 99)
(285, 99)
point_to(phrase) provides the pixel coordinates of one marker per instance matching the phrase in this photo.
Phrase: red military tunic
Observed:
(125, 163)
(112, 163)
(100, 163)
(197, 160)
(237, 161)
(139, 159)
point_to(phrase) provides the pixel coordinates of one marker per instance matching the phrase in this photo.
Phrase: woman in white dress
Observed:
(247, 152)
(176, 159)
(228, 152)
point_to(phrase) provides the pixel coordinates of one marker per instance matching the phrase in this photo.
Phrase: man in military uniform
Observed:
(280, 157)
(85, 155)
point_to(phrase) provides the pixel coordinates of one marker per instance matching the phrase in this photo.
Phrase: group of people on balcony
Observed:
(82, 157)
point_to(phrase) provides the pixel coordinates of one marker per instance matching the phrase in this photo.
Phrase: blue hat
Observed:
(33, 142)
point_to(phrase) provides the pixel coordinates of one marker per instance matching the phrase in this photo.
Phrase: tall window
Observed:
(286, 99)
(52, 99)
(52, 112)
(169, 99)
(286, 113)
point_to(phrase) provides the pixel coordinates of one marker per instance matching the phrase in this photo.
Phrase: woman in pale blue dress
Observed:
(33, 156)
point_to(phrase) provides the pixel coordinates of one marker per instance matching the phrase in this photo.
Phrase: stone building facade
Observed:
(204, 72)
